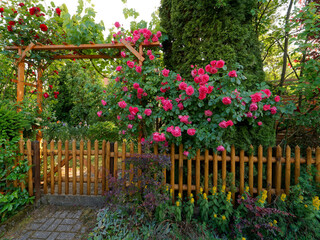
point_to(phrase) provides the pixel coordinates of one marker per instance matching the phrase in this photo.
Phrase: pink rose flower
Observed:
(118, 68)
(220, 148)
(259, 123)
(165, 72)
(130, 126)
(99, 113)
(210, 88)
(133, 110)
(266, 107)
(208, 68)
(189, 90)
(201, 71)
(183, 86)
(257, 97)
(170, 129)
(149, 52)
(202, 96)
(117, 24)
(176, 132)
(118, 117)
(277, 99)
(249, 114)
(273, 110)
(148, 112)
(131, 117)
(122, 104)
(209, 119)
(267, 92)
(184, 119)
(220, 64)
(213, 70)
(139, 116)
(138, 69)
(213, 63)
(208, 113)
(167, 105)
(253, 107)
(136, 85)
(180, 106)
(103, 102)
(123, 54)
(229, 123)
(151, 57)
(223, 124)
(232, 74)
(178, 78)
(158, 34)
(140, 90)
(191, 131)
(226, 101)
(130, 64)
(185, 153)
(125, 89)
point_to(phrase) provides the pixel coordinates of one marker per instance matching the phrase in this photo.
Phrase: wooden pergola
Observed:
(23, 50)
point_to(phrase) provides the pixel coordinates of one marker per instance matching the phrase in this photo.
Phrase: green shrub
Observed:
(104, 131)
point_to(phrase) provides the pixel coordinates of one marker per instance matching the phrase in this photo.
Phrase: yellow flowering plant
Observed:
(203, 205)
(189, 208)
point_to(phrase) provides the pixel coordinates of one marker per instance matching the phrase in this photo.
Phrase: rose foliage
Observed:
(198, 114)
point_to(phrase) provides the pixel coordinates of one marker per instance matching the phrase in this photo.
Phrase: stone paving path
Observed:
(52, 222)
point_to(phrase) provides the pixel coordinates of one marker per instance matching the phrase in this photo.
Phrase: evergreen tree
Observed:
(200, 31)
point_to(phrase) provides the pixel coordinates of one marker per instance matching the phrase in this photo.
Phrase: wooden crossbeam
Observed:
(25, 83)
(135, 52)
(24, 54)
(82, 46)
(71, 56)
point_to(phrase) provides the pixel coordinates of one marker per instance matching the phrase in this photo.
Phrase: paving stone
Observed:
(67, 236)
(76, 227)
(69, 221)
(34, 226)
(54, 225)
(39, 220)
(64, 228)
(83, 230)
(41, 234)
(70, 215)
(53, 236)
(64, 214)
(46, 224)
(77, 214)
(57, 214)
(25, 235)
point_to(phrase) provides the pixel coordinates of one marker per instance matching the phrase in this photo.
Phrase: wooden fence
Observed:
(87, 174)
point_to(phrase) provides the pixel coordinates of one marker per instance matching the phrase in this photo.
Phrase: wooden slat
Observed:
(278, 171)
(180, 168)
(81, 166)
(241, 184)
(269, 173)
(297, 165)
(21, 149)
(131, 165)
(309, 159)
(155, 152)
(135, 52)
(172, 170)
(45, 167)
(52, 166)
(115, 163)
(89, 168)
(139, 170)
(66, 157)
(198, 173)
(318, 164)
(251, 171)
(107, 164)
(123, 158)
(189, 178)
(215, 169)
(233, 171)
(96, 166)
(206, 171)
(74, 168)
(104, 166)
(71, 56)
(30, 181)
(59, 166)
(260, 168)
(224, 167)
(288, 169)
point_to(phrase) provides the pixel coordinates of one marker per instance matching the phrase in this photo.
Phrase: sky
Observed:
(110, 11)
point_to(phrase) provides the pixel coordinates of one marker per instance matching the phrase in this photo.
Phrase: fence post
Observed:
(36, 163)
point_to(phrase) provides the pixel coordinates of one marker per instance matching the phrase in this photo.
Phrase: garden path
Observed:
(54, 222)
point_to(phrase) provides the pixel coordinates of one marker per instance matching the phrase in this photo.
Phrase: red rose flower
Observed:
(1, 10)
(34, 10)
(45, 95)
(50, 86)
(21, 4)
(58, 11)
(9, 28)
(43, 27)
(12, 23)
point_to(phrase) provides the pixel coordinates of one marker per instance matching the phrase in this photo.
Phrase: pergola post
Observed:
(39, 99)
(20, 84)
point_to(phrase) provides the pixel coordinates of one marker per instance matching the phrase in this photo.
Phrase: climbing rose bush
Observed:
(197, 114)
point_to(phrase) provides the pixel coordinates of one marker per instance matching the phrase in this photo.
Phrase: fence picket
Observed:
(81, 166)
(309, 158)
(180, 168)
(52, 166)
(206, 171)
(260, 168)
(241, 186)
(251, 171)
(233, 170)
(318, 164)
(21, 149)
(189, 178)
(297, 165)
(224, 167)
(131, 165)
(66, 157)
(74, 167)
(89, 168)
(104, 165)
(45, 166)
(30, 180)
(269, 173)
(288, 168)
(123, 158)
(172, 171)
(198, 173)
(96, 166)
(115, 164)
(59, 166)
(107, 164)
(215, 169)
(278, 170)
